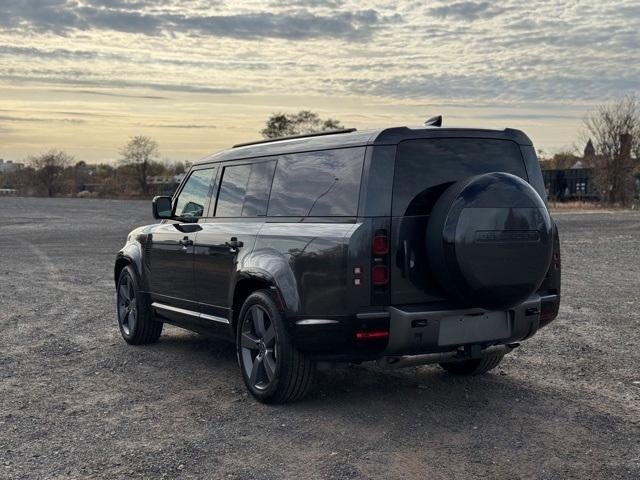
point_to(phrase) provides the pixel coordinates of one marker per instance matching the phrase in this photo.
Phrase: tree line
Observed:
(613, 130)
(56, 173)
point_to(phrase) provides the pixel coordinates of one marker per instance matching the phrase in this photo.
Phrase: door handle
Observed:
(234, 244)
(186, 242)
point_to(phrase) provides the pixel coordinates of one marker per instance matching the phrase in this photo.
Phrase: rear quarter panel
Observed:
(308, 262)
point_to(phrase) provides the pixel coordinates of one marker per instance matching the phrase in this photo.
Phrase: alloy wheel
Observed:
(127, 311)
(258, 347)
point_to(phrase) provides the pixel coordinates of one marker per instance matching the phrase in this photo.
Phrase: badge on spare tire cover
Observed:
(489, 241)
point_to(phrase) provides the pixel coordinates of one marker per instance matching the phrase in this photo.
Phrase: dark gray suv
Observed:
(402, 246)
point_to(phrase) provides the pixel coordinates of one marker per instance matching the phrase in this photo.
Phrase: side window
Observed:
(193, 198)
(244, 190)
(324, 183)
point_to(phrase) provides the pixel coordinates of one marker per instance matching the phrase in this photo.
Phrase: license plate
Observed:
(464, 329)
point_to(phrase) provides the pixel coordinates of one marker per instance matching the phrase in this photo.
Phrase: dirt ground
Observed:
(77, 402)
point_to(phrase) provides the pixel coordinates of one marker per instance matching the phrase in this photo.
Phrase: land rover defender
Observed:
(404, 246)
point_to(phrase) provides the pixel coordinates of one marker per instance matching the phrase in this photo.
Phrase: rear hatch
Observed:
(424, 169)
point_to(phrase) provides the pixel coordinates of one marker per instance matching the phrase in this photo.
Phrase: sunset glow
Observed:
(198, 76)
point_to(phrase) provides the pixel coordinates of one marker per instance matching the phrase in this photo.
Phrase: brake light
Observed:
(372, 335)
(380, 244)
(380, 275)
(380, 270)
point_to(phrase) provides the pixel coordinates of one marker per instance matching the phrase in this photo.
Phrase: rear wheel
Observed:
(135, 318)
(273, 370)
(473, 367)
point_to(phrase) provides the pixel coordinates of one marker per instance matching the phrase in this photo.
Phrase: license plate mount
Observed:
(480, 328)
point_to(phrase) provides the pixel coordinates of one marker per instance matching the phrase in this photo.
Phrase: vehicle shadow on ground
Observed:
(418, 412)
(349, 384)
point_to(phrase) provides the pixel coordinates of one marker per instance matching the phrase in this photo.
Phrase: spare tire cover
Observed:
(489, 241)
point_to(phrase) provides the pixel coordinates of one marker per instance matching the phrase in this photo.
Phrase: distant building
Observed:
(575, 183)
(8, 166)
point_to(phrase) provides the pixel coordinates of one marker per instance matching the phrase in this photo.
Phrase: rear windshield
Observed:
(426, 168)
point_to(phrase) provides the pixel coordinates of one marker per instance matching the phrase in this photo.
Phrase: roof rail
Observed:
(292, 137)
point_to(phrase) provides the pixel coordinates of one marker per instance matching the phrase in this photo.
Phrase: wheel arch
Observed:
(121, 263)
(130, 255)
(248, 284)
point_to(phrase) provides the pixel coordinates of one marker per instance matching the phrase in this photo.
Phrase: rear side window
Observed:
(320, 184)
(244, 190)
(426, 168)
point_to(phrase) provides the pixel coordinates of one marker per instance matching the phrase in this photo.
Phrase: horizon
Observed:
(83, 76)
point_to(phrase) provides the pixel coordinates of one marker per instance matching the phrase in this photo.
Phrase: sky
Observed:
(198, 76)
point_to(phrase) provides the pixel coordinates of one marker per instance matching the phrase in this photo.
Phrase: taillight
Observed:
(374, 335)
(380, 244)
(380, 275)
(379, 268)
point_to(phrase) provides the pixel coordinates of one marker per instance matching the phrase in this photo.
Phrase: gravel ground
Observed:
(77, 402)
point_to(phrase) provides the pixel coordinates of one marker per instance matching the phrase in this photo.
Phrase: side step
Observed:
(466, 353)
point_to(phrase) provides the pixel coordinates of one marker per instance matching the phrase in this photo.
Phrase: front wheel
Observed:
(473, 367)
(135, 318)
(273, 369)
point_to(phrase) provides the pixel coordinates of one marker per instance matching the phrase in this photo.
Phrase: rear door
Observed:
(235, 219)
(424, 169)
(170, 255)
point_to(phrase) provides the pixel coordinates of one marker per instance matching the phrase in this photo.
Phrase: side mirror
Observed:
(162, 207)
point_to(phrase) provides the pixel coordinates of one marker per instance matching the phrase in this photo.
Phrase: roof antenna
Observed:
(434, 121)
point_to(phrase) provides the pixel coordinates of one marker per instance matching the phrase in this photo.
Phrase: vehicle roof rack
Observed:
(292, 137)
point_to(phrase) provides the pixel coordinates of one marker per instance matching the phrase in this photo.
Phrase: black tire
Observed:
(473, 367)
(272, 368)
(135, 317)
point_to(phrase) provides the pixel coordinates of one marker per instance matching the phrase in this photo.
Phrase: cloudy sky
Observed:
(84, 75)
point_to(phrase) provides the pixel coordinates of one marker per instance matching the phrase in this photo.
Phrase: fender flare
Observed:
(270, 268)
(131, 254)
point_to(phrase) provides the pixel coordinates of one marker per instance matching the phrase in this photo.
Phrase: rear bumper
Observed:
(420, 329)
(414, 331)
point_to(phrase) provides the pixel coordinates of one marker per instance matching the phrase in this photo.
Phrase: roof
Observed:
(386, 136)
(578, 165)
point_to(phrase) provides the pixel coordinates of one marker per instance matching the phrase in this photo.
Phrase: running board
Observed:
(191, 313)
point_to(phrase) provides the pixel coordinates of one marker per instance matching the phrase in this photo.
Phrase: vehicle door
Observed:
(237, 213)
(171, 244)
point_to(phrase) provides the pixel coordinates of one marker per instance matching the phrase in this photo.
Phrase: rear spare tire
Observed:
(489, 241)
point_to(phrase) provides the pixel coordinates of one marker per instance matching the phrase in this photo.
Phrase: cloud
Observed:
(11, 118)
(111, 94)
(64, 16)
(494, 88)
(77, 80)
(468, 11)
(186, 126)
(127, 57)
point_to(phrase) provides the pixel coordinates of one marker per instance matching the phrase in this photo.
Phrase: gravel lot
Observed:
(76, 401)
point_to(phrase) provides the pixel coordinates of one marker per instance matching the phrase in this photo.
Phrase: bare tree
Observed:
(614, 129)
(49, 170)
(140, 152)
(305, 121)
